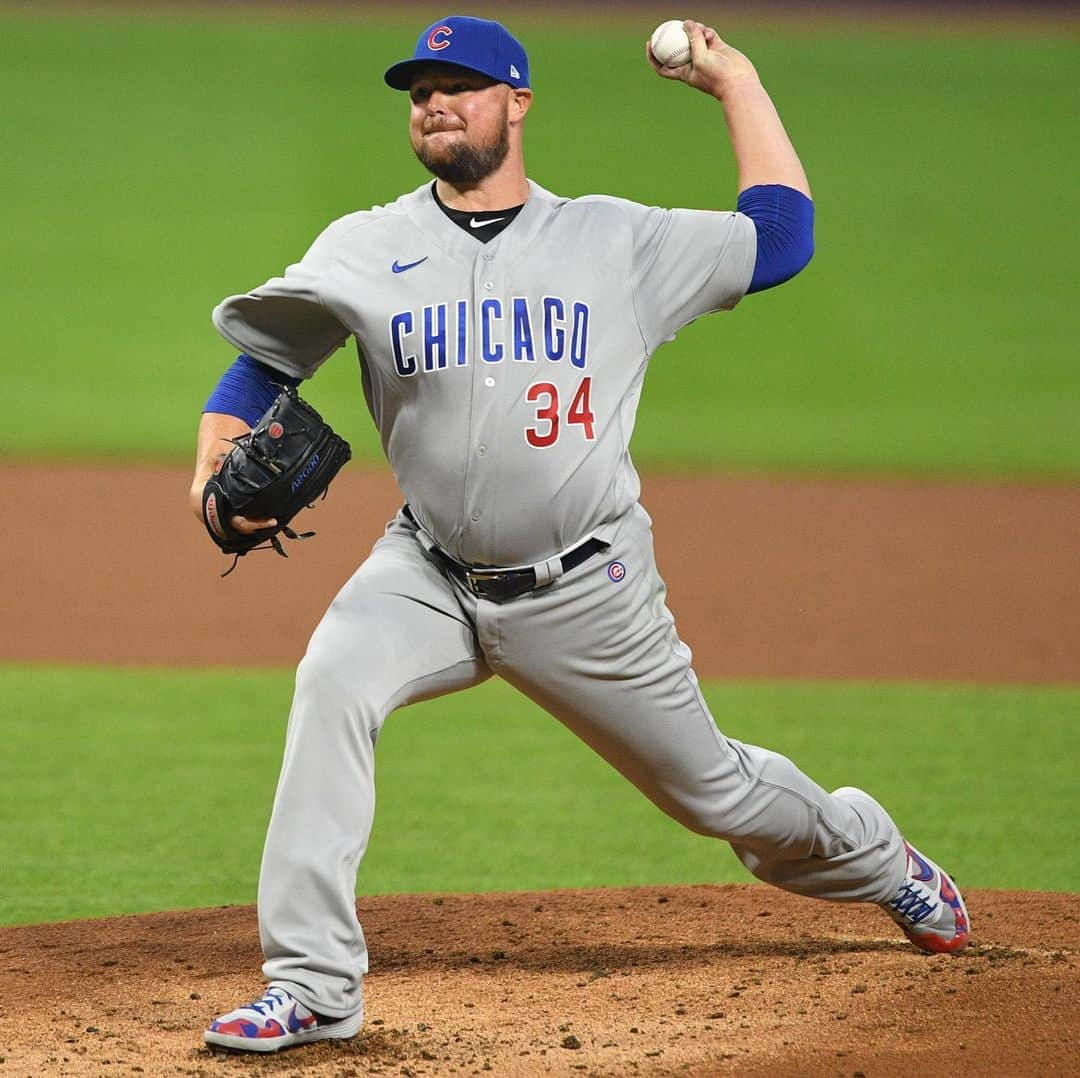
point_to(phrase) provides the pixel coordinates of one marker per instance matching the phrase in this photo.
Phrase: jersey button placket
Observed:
(484, 286)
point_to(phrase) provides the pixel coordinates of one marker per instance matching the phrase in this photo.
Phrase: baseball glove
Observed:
(284, 464)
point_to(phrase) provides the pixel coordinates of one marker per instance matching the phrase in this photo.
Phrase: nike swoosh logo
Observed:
(926, 873)
(474, 223)
(397, 268)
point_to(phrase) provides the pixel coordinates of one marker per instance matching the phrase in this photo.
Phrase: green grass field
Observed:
(154, 165)
(125, 791)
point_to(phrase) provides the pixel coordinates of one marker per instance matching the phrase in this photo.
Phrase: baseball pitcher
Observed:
(503, 334)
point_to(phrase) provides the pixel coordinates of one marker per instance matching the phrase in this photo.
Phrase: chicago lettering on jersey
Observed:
(519, 330)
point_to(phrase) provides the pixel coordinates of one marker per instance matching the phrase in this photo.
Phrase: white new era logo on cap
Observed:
(514, 73)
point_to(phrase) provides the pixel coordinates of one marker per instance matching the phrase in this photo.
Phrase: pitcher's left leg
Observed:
(600, 652)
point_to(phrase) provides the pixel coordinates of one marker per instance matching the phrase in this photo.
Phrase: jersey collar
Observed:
(429, 218)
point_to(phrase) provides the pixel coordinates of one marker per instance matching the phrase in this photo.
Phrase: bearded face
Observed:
(459, 125)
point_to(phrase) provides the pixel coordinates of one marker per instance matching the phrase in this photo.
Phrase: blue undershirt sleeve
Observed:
(247, 389)
(784, 219)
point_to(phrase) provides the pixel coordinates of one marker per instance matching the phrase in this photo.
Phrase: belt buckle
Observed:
(475, 581)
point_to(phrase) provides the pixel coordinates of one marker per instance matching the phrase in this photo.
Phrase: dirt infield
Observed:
(652, 981)
(767, 577)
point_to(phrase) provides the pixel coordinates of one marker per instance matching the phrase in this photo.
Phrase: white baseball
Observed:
(671, 44)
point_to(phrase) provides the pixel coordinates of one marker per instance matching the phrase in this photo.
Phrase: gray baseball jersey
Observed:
(504, 377)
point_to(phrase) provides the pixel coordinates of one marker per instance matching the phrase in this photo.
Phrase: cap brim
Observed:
(400, 76)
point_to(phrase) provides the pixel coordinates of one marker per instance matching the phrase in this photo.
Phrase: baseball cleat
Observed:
(927, 905)
(276, 1021)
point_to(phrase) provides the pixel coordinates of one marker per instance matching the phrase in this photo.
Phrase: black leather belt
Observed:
(502, 585)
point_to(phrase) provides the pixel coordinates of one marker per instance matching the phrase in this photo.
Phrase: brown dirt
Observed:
(650, 981)
(769, 578)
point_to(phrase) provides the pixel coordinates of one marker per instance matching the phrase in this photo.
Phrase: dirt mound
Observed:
(699, 980)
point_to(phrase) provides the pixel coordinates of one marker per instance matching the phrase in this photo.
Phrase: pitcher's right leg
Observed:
(390, 638)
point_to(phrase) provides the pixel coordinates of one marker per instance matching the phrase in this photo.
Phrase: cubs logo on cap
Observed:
(481, 45)
(439, 38)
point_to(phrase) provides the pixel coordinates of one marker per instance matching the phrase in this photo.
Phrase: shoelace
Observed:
(273, 998)
(914, 902)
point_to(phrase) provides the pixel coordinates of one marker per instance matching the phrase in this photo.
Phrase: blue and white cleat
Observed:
(276, 1021)
(927, 905)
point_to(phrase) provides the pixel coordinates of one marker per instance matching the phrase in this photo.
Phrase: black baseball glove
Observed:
(273, 472)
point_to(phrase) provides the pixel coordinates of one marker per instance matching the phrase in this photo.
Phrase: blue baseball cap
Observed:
(477, 44)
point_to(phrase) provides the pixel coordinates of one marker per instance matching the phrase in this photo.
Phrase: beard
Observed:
(465, 165)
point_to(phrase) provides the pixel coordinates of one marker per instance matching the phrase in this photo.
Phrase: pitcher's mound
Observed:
(700, 980)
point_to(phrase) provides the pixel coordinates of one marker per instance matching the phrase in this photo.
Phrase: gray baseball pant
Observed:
(601, 656)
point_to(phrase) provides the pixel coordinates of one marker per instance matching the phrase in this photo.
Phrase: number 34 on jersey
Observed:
(550, 420)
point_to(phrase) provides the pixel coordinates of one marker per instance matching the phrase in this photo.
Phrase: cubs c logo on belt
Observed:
(439, 38)
(616, 571)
